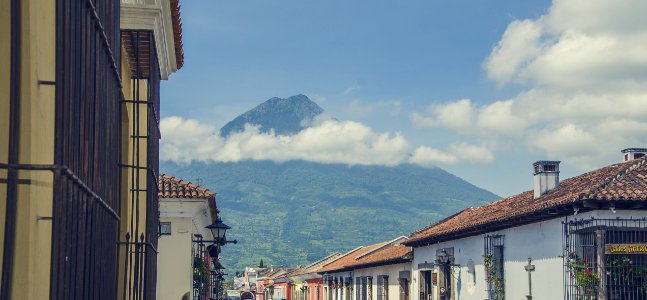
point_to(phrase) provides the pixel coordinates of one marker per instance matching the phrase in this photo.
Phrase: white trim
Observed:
(153, 15)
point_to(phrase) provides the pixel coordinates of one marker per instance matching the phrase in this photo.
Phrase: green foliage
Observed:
(200, 275)
(495, 282)
(296, 212)
(260, 265)
(624, 269)
(586, 279)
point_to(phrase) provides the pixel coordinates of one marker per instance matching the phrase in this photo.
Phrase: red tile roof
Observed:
(315, 267)
(176, 188)
(177, 32)
(619, 183)
(377, 254)
(173, 187)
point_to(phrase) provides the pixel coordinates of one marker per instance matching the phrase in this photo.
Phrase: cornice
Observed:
(154, 15)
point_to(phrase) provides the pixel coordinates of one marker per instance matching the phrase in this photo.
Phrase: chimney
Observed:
(546, 176)
(633, 153)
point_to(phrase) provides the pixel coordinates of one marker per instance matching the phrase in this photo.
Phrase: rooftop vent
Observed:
(633, 153)
(546, 176)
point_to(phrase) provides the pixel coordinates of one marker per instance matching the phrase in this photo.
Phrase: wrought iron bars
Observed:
(591, 271)
(141, 166)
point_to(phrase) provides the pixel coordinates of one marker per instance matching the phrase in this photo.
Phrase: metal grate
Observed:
(140, 244)
(605, 259)
(494, 271)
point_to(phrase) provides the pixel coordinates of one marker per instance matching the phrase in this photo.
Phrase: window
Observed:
(493, 261)
(358, 288)
(605, 257)
(364, 290)
(369, 288)
(383, 287)
(165, 228)
(404, 289)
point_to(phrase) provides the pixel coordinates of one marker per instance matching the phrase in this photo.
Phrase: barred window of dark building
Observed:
(494, 266)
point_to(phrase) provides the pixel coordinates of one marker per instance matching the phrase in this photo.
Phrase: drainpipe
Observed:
(14, 151)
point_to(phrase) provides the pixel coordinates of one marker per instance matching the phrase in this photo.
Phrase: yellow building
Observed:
(79, 136)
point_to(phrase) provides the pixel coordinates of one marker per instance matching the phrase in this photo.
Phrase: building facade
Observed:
(185, 210)
(377, 272)
(79, 115)
(580, 238)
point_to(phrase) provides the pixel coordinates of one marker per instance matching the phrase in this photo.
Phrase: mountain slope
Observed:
(285, 116)
(295, 212)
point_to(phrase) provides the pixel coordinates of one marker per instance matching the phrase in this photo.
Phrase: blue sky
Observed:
(453, 80)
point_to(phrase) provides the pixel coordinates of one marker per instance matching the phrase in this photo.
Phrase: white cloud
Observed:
(351, 89)
(590, 44)
(329, 141)
(455, 153)
(583, 68)
(519, 44)
(456, 115)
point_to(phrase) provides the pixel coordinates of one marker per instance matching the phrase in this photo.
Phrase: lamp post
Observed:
(218, 231)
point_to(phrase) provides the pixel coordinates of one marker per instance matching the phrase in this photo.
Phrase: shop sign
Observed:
(625, 248)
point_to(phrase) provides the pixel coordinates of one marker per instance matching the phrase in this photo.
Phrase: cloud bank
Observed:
(328, 141)
(583, 69)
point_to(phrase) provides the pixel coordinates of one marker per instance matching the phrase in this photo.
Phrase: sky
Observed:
(481, 89)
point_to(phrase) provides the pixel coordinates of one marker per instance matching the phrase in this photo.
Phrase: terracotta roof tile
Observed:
(388, 254)
(383, 253)
(619, 182)
(177, 32)
(173, 187)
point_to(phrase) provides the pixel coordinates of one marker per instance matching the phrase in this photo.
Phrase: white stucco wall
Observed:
(540, 241)
(174, 260)
(393, 271)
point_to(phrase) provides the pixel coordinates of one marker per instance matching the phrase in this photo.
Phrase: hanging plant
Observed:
(199, 271)
(585, 279)
(495, 282)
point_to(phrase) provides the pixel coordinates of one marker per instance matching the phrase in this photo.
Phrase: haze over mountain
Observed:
(285, 116)
(294, 212)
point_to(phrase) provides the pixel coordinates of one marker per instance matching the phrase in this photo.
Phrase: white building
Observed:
(185, 210)
(377, 272)
(580, 238)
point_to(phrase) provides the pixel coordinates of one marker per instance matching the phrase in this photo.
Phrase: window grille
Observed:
(404, 289)
(358, 288)
(382, 287)
(364, 288)
(494, 262)
(605, 259)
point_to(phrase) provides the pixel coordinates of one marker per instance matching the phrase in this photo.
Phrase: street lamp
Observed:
(218, 230)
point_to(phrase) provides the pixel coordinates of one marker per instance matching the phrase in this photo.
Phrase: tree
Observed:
(261, 264)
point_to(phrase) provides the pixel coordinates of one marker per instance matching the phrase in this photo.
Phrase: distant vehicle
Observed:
(247, 296)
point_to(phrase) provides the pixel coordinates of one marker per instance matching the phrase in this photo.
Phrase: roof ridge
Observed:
(321, 260)
(343, 255)
(381, 247)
